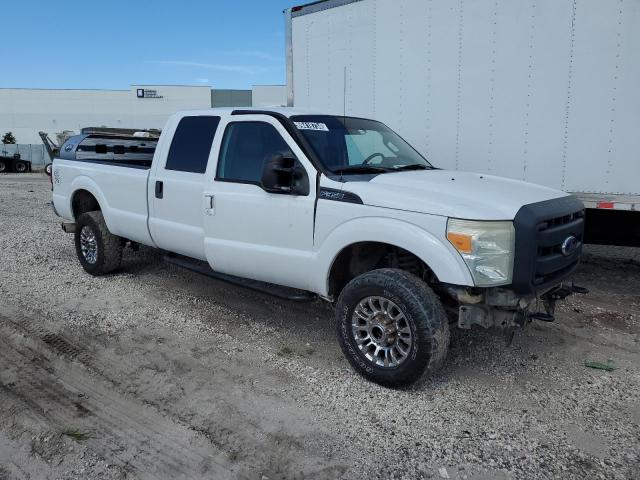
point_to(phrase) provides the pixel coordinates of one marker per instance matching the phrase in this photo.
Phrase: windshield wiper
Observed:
(362, 169)
(414, 166)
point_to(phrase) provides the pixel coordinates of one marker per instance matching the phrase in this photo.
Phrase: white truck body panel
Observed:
(121, 193)
(259, 235)
(544, 91)
(176, 222)
(240, 229)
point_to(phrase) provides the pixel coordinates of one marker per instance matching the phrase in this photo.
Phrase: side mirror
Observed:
(283, 173)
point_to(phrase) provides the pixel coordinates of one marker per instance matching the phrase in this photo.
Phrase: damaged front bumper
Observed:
(503, 308)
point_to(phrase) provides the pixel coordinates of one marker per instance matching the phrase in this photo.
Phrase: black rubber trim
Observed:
(203, 268)
(116, 163)
(319, 6)
(532, 272)
(339, 196)
(291, 130)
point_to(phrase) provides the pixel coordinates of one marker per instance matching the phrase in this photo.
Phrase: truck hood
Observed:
(451, 193)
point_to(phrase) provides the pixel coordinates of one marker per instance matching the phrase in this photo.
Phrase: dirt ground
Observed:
(157, 372)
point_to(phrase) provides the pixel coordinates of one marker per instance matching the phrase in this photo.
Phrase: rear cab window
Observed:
(191, 144)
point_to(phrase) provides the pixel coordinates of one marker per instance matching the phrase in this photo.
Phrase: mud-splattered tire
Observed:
(98, 250)
(392, 327)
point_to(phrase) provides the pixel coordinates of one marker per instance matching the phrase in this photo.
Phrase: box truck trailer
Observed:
(546, 91)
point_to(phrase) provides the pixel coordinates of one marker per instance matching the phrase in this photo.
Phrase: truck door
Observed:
(177, 183)
(250, 232)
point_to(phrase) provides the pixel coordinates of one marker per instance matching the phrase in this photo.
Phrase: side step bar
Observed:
(203, 268)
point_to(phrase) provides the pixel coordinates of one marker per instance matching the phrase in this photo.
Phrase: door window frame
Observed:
(292, 147)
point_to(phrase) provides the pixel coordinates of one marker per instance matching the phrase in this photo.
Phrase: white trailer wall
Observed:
(546, 91)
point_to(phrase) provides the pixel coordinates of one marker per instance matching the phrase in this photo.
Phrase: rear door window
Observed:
(191, 144)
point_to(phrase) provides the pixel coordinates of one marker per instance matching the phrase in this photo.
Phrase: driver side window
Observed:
(246, 146)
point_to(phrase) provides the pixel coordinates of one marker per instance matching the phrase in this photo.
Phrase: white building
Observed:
(269, 96)
(27, 111)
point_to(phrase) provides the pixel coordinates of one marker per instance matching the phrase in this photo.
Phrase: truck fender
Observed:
(440, 257)
(83, 182)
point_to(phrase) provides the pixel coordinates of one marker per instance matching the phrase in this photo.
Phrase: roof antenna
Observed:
(344, 94)
(344, 108)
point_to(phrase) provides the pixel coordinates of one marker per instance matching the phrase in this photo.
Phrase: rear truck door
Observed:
(251, 232)
(177, 183)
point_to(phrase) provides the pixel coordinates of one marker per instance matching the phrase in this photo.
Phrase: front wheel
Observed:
(392, 327)
(3, 166)
(98, 250)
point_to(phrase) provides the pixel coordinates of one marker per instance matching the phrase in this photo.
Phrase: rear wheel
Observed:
(3, 166)
(98, 250)
(20, 167)
(392, 327)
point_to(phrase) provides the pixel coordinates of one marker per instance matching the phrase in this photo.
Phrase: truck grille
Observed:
(549, 238)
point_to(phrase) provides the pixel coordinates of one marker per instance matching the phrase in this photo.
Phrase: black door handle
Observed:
(159, 189)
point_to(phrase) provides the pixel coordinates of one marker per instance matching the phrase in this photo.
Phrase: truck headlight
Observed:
(486, 247)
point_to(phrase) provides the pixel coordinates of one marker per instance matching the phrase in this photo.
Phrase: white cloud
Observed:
(259, 54)
(202, 80)
(248, 69)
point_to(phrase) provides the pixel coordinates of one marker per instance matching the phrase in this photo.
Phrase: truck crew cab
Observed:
(339, 207)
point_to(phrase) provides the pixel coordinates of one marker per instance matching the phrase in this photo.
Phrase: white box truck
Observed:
(546, 91)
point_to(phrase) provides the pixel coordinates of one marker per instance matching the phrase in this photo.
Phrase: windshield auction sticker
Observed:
(321, 127)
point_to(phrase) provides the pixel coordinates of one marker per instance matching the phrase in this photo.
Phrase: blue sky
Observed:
(115, 43)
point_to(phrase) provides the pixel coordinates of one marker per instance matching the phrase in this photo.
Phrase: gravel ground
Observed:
(156, 372)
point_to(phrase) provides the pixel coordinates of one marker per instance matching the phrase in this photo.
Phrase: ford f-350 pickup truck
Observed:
(335, 206)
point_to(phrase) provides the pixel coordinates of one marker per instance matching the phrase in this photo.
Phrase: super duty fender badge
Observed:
(320, 127)
(339, 196)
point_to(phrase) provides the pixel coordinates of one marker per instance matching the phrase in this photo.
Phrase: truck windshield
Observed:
(356, 145)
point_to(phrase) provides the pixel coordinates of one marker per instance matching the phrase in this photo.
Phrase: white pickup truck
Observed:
(338, 207)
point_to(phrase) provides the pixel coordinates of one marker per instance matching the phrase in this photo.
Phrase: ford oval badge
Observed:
(569, 245)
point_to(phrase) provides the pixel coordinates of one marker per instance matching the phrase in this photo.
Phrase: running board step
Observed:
(203, 268)
(543, 317)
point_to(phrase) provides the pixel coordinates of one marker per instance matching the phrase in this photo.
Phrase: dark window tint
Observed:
(191, 144)
(245, 148)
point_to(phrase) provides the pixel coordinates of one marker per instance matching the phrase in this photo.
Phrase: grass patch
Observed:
(285, 351)
(76, 434)
(607, 367)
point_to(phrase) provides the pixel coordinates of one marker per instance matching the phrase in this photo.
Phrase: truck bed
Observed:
(111, 148)
(122, 193)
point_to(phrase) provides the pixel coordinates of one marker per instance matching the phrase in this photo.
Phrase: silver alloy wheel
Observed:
(381, 331)
(88, 244)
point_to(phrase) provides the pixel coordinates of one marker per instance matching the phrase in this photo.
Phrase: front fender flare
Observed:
(440, 256)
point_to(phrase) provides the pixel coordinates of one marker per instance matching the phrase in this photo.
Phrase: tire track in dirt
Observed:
(123, 431)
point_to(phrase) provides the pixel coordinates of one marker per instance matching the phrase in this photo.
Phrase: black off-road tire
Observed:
(424, 315)
(21, 167)
(109, 246)
(3, 166)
